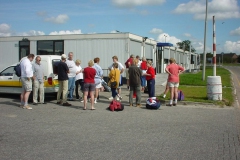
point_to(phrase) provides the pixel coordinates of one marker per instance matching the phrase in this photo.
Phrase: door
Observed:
(24, 49)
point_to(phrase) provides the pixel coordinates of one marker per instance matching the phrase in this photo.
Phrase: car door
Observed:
(9, 82)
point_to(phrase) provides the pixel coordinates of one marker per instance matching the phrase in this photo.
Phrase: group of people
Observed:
(71, 75)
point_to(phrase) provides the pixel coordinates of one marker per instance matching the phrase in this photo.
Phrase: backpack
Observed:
(17, 70)
(153, 103)
(116, 106)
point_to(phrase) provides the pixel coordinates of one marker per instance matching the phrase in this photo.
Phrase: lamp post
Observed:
(222, 58)
(165, 37)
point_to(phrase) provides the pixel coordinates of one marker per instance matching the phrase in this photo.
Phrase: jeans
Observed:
(71, 84)
(151, 87)
(114, 92)
(38, 87)
(136, 89)
(143, 81)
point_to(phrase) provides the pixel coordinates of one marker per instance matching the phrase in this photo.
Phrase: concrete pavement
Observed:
(52, 131)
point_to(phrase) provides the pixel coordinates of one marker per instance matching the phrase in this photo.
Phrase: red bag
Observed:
(116, 106)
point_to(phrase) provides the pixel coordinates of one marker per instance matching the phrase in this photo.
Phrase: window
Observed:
(50, 47)
(7, 72)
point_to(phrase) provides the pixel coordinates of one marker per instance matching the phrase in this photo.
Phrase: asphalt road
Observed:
(54, 132)
(236, 81)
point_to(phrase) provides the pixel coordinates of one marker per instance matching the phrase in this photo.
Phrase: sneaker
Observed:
(164, 96)
(27, 107)
(138, 105)
(66, 104)
(174, 104)
(111, 98)
(82, 101)
(170, 105)
(95, 101)
(35, 103)
(117, 99)
(59, 102)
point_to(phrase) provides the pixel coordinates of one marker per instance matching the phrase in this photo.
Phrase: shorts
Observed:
(173, 84)
(99, 85)
(26, 85)
(89, 87)
(127, 74)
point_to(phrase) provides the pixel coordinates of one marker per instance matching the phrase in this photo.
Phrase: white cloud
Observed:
(235, 32)
(132, 3)
(223, 9)
(156, 31)
(66, 32)
(31, 33)
(169, 39)
(233, 47)
(187, 35)
(5, 30)
(62, 18)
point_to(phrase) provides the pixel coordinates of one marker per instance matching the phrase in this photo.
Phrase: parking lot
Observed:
(56, 132)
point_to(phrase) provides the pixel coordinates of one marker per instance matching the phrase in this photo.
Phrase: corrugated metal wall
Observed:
(105, 49)
(135, 48)
(149, 51)
(10, 52)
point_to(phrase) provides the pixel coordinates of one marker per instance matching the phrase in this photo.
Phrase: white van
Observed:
(10, 82)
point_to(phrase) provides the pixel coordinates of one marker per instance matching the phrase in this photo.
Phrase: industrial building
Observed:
(88, 46)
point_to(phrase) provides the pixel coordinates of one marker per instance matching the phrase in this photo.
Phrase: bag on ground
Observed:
(17, 70)
(105, 86)
(153, 103)
(180, 95)
(116, 106)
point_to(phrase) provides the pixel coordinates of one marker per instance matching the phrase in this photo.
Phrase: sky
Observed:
(168, 21)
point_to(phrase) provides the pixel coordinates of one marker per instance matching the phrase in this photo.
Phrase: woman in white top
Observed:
(78, 78)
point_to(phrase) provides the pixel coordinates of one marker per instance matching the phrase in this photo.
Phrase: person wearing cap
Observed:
(150, 77)
(128, 63)
(63, 71)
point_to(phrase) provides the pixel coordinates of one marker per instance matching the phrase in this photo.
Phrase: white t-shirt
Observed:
(79, 75)
(72, 68)
(120, 66)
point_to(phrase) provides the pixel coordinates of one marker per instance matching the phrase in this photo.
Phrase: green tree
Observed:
(185, 45)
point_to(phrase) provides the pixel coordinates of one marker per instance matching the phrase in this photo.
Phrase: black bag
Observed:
(113, 84)
(17, 70)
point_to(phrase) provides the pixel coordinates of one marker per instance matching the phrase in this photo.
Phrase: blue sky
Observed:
(178, 20)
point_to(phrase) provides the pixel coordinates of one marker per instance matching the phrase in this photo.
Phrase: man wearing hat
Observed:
(63, 81)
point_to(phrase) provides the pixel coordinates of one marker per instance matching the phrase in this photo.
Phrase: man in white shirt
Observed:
(26, 79)
(71, 75)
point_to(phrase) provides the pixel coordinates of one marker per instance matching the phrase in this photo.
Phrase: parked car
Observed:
(10, 82)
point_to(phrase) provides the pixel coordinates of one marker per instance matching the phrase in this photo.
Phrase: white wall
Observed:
(9, 53)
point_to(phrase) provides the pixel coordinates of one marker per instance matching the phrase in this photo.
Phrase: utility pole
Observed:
(205, 37)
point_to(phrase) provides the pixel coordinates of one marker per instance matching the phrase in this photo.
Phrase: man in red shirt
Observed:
(128, 63)
(173, 71)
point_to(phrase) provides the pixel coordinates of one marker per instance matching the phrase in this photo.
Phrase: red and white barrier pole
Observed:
(214, 48)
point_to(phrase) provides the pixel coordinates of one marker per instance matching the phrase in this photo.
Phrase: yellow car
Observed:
(10, 82)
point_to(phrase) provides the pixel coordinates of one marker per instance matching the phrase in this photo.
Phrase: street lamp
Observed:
(165, 37)
(222, 58)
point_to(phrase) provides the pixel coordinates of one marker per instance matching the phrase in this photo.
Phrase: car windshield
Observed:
(55, 65)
